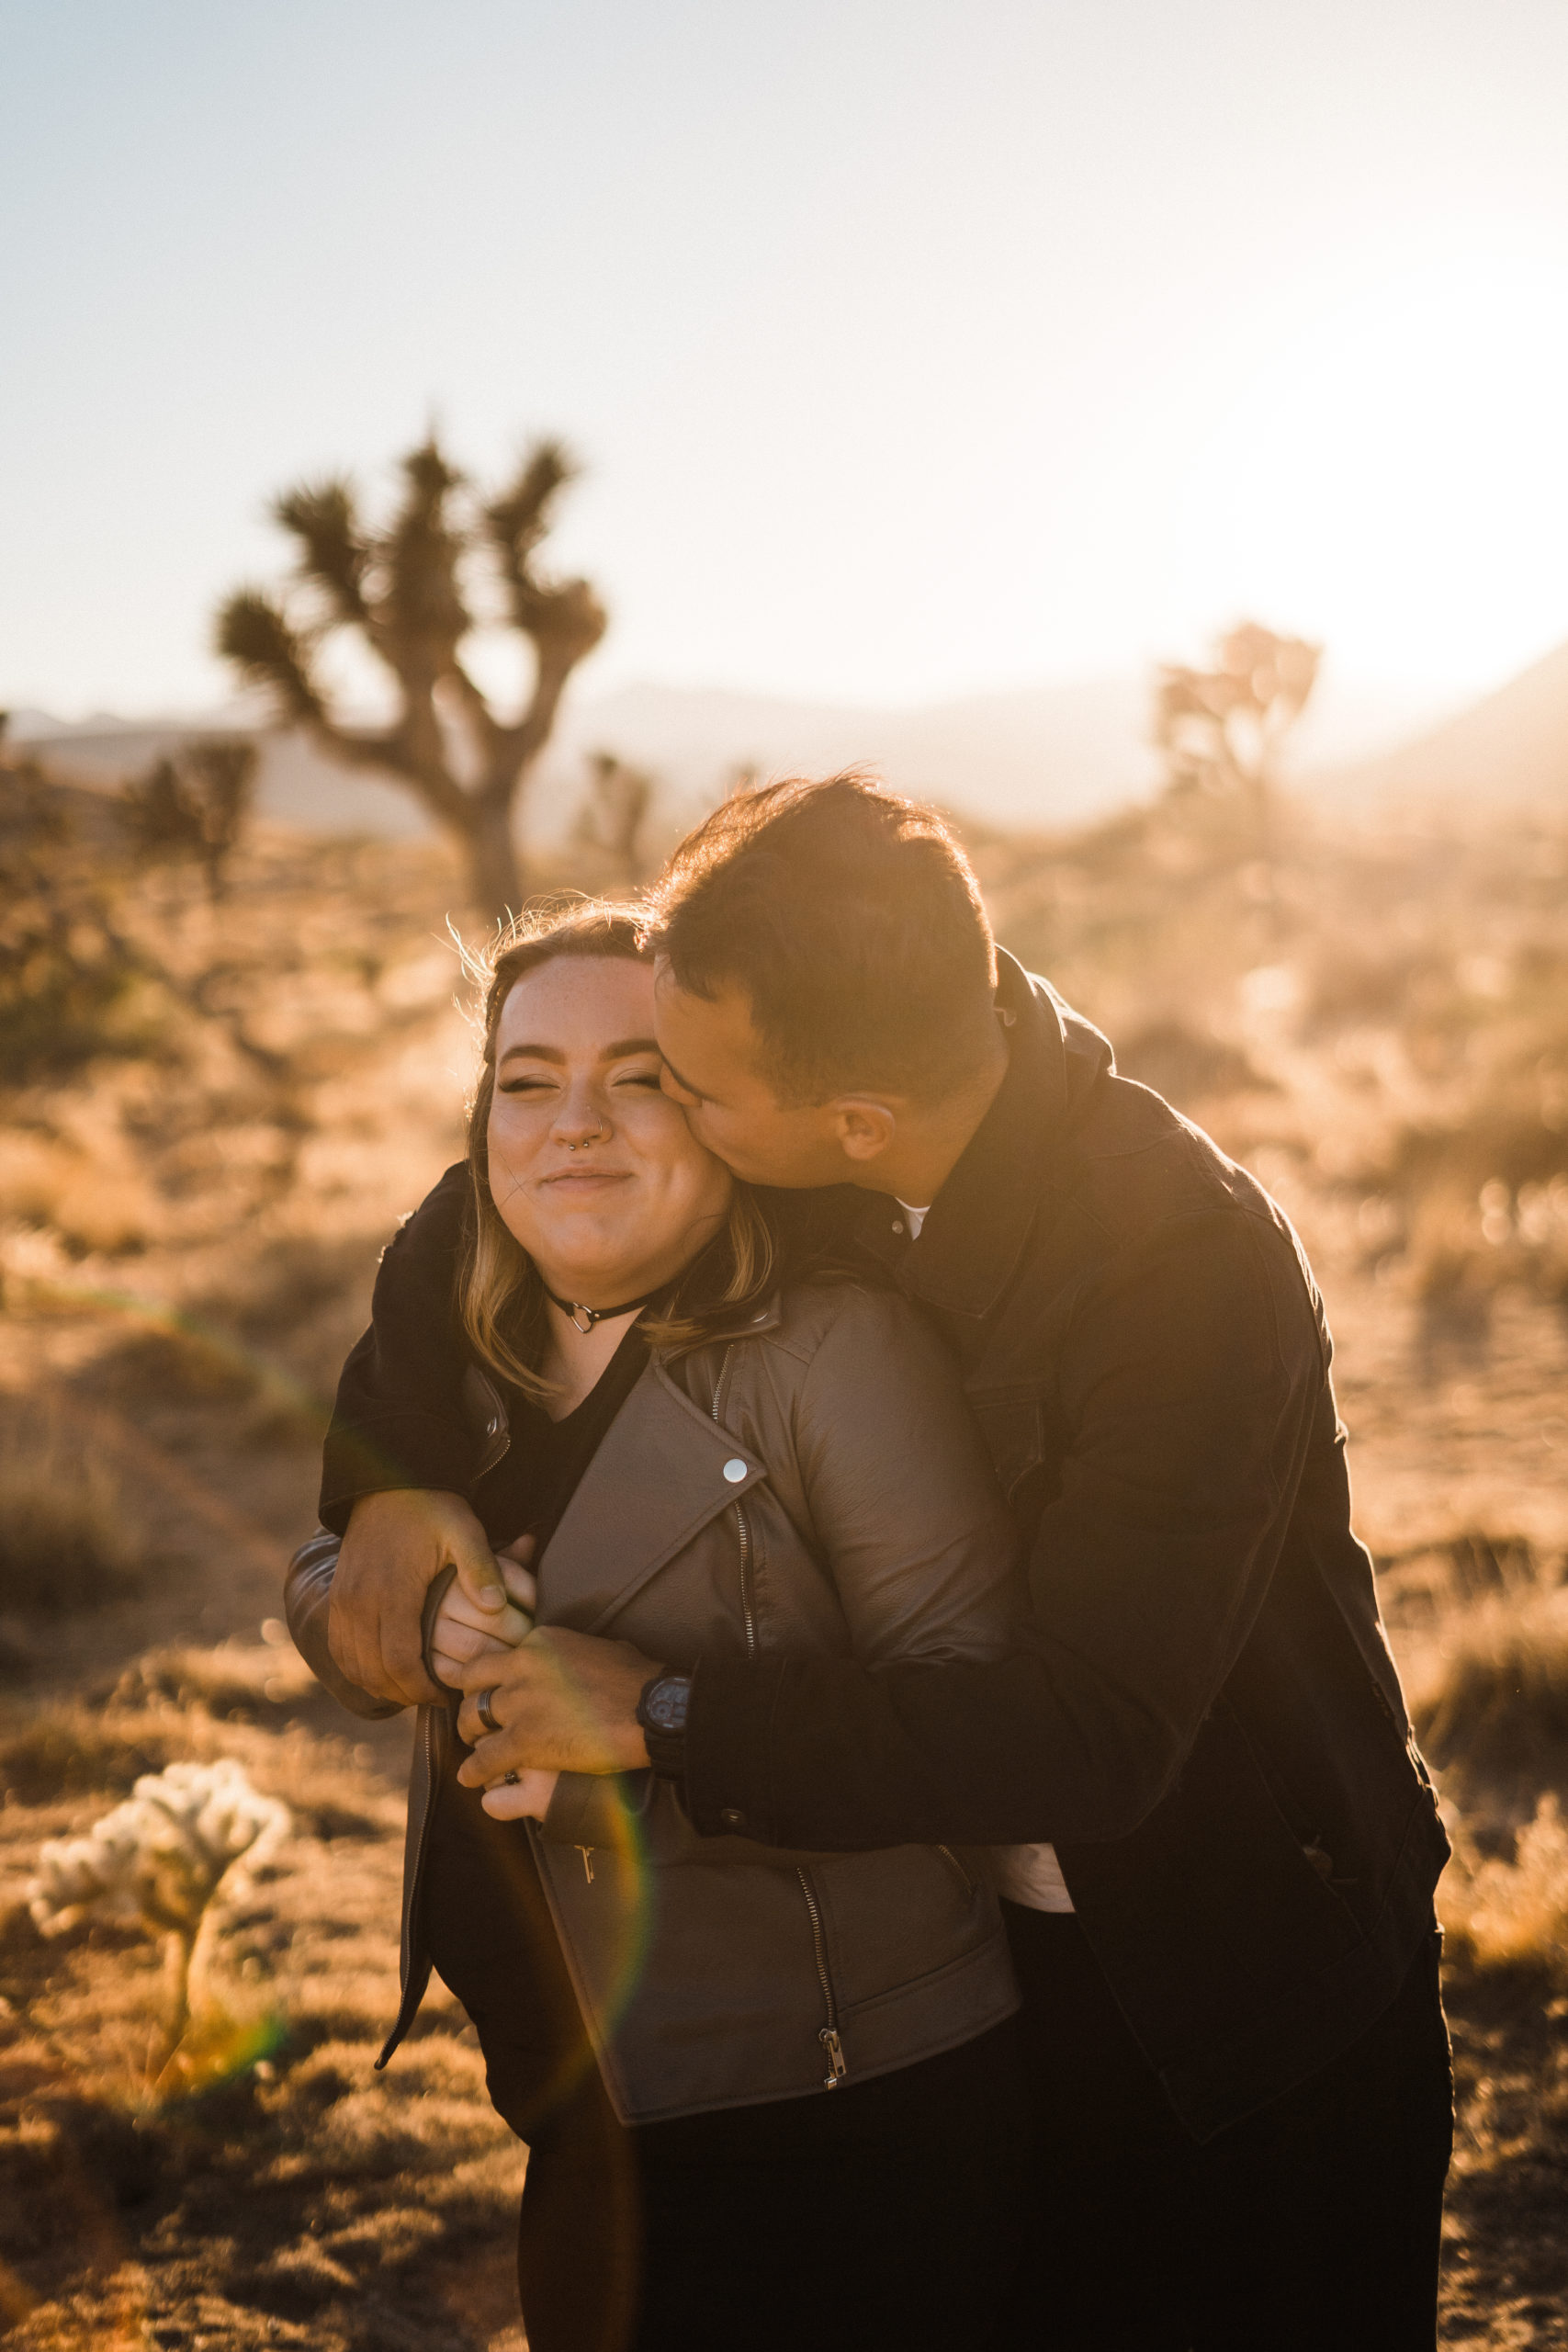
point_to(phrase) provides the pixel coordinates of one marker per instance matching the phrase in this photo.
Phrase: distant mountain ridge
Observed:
(1509, 750)
(1038, 757)
(1034, 758)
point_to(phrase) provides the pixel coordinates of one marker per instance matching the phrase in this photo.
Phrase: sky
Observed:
(912, 348)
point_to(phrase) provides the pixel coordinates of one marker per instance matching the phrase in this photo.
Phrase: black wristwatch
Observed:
(662, 1711)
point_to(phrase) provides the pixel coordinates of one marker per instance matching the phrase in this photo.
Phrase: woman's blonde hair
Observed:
(501, 1296)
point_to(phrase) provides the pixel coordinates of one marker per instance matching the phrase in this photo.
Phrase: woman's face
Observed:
(593, 1168)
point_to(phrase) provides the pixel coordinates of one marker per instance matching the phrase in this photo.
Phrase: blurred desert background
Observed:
(1160, 469)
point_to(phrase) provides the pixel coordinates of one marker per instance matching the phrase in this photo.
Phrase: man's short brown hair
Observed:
(852, 922)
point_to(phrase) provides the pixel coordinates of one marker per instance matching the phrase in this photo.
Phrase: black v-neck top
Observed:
(529, 1490)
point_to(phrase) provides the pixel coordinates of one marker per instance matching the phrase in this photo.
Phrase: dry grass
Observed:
(1489, 1693)
(70, 1536)
(194, 1195)
(1512, 1914)
(1386, 1007)
(287, 2195)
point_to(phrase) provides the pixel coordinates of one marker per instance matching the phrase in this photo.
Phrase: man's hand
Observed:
(396, 1546)
(564, 1702)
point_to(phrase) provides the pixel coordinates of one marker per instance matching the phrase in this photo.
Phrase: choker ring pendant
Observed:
(583, 1318)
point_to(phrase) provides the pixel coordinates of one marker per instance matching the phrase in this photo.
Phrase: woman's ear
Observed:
(864, 1127)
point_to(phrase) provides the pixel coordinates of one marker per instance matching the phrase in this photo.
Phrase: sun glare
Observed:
(1394, 477)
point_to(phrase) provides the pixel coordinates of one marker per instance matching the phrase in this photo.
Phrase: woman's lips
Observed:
(583, 1177)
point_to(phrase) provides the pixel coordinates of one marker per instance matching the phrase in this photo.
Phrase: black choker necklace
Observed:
(585, 1317)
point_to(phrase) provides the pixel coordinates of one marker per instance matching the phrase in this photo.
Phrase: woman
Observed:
(769, 2098)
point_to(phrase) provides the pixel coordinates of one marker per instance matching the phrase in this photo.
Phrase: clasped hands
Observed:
(565, 1701)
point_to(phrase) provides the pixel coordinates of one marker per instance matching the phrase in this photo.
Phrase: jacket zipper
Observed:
(833, 2048)
(748, 1605)
(828, 2037)
(498, 1435)
(718, 1383)
(747, 1609)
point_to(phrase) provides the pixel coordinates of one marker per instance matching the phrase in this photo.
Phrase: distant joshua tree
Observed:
(611, 818)
(406, 590)
(1220, 729)
(194, 805)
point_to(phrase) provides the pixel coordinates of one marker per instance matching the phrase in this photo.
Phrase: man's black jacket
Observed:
(1208, 1724)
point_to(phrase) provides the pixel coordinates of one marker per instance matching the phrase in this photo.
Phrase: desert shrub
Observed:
(1185, 1065)
(292, 1279)
(181, 1365)
(1511, 1914)
(1355, 985)
(1481, 1562)
(194, 805)
(72, 987)
(69, 1752)
(232, 1683)
(1492, 1695)
(70, 1537)
(1473, 1243)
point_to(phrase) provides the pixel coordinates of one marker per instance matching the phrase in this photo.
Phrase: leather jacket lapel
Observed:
(658, 1478)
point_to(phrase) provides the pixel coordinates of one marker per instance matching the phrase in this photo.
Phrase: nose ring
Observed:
(597, 1137)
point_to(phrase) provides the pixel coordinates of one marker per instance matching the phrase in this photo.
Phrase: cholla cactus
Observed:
(160, 1858)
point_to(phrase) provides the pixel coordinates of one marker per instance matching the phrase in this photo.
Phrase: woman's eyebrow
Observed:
(620, 1051)
(536, 1053)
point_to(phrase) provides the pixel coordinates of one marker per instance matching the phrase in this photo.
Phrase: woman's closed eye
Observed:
(536, 1083)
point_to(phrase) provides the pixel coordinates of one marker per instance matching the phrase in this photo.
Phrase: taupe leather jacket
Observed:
(818, 1487)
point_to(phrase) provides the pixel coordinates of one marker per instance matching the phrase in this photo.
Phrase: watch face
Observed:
(665, 1706)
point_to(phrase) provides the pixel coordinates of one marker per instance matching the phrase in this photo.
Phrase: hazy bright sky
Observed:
(913, 346)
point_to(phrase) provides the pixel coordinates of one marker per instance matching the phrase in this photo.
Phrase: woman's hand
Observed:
(463, 1631)
(396, 1547)
(526, 1797)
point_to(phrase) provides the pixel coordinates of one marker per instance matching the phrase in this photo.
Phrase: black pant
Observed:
(1310, 2227)
(885, 2213)
(873, 2218)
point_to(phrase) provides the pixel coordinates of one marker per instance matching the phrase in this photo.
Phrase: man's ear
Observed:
(863, 1128)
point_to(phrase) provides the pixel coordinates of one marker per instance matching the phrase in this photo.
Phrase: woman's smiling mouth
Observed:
(588, 1179)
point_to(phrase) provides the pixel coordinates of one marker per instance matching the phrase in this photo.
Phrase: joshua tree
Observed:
(1220, 729)
(407, 590)
(195, 805)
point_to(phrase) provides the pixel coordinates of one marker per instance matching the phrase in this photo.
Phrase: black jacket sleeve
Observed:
(1188, 1380)
(397, 1420)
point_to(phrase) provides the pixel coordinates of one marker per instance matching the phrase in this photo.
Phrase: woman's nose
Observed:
(580, 1117)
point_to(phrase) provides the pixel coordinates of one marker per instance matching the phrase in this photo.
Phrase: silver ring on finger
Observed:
(486, 1710)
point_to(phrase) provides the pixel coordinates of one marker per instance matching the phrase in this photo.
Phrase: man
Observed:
(1224, 1935)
